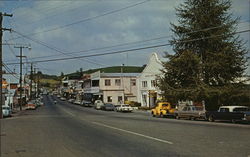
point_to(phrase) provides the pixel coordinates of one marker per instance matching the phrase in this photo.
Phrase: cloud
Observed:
(143, 22)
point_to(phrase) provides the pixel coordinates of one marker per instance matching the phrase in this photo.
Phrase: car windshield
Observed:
(5, 107)
(109, 105)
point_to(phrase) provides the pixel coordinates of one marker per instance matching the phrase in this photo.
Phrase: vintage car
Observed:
(98, 104)
(191, 112)
(31, 105)
(6, 111)
(163, 109)
(230, 113)
(108, 107)
(123, 108)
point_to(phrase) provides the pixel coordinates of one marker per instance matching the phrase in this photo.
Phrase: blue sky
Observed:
(99, 24)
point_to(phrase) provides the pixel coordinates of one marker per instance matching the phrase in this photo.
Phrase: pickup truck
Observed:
(191, 112)
(230, 113)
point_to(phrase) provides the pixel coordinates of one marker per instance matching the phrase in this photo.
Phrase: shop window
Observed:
(109, 98)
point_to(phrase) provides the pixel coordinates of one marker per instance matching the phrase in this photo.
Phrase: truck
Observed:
(229, 113)
(163, 109)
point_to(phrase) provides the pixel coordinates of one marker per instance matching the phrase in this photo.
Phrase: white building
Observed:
(112, 87)
(148, 92)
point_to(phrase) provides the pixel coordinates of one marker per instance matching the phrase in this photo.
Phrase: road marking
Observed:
(70, 113)
(134, 133)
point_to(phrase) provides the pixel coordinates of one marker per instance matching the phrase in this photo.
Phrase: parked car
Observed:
(230, 113)
(77, 102)
(86, 103)
(6, 111)
(71, 100)
(108, 107)
(163, 108)
(98, 104)
(191, 112)
(63, 99)
(123, 108)
(31, 105)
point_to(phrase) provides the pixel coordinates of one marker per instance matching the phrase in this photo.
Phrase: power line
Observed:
(54, 48)
(55, 14)
(84, 20)
(131, 50)
(113, 46)
(10, 71)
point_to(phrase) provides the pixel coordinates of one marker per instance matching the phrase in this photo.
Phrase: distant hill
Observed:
(53, 80)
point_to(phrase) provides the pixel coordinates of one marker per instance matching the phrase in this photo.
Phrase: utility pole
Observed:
(31, 80)
(1, 58)
(35, 80)
(21, 71)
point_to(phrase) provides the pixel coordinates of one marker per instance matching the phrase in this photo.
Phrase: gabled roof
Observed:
(153, 59)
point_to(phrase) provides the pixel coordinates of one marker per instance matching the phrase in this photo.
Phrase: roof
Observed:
(119, 74)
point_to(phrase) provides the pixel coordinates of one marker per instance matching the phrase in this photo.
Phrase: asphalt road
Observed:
(67, 130)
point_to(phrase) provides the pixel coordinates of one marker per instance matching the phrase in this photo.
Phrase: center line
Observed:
(134, 133)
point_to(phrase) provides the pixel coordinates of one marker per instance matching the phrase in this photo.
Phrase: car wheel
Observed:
(161, 115)
(192, 118)
(177, 117)
(233, 121)
(153, 114)
(211, 118)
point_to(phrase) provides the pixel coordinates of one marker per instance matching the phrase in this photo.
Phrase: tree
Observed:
(206, 41)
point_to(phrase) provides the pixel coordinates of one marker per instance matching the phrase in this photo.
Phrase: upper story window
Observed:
(153, 83)
(144, 83)
(95, 83)
(133, 82)
(117, 82)
(107, 82)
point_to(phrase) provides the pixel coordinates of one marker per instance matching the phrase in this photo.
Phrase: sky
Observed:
(73, 28)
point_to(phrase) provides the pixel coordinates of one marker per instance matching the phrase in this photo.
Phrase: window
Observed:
(224, 110)
(119, 98)
(109, 98)
(153, 83)
(144, 83)
(117, 82)
(107, 82)
(133, 82)
(95, 83)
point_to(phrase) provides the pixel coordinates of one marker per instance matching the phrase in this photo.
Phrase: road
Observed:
(67, 130)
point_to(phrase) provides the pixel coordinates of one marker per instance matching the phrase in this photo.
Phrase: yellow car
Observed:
(163, 109)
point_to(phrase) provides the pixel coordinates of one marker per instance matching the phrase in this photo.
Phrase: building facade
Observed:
(148, 91)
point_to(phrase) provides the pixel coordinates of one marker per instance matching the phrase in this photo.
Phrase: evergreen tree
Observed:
(205, 33)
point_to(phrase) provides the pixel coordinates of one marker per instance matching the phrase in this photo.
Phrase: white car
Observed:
(124, 108)
(78, 102)
(6, 110)
(63, 99)
(71, 100)
(98, 104)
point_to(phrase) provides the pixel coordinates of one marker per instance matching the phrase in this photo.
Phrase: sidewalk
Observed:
(16, 111)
